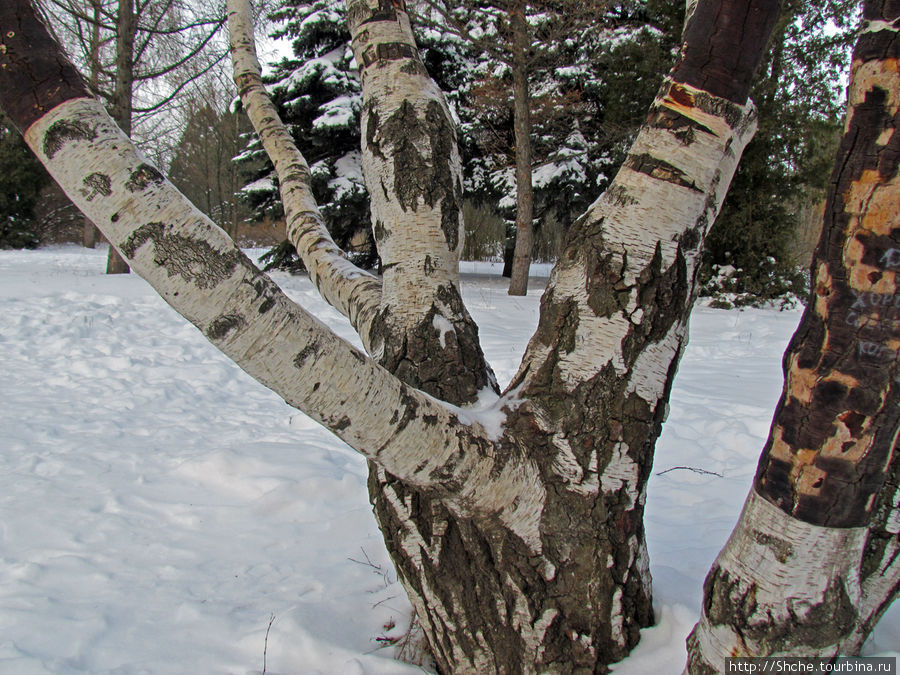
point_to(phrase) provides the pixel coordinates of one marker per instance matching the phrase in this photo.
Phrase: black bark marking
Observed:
(812, 625)
(660, 170)
(388, 51)
(696, 664)
(222, 326)
(96, 184)
(194, 260)
(878, 45)
(373, 120)
(142, 177)
(266, 290)
(309, 351)
(724, 109)
(607, 294)
(618, 194)
(410, 410)
(359, 13)
(682, 126)
(65, 131)
(35, 76)
(780, 548)
(425, 176)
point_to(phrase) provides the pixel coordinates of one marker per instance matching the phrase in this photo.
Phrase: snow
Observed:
(338, 112)
(348, 180)
(264, 184)
(159, 507)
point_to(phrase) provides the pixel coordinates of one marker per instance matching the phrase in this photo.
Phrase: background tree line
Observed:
(589, 83)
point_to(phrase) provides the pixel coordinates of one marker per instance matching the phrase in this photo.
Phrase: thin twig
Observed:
(703, 472)
(266, 642)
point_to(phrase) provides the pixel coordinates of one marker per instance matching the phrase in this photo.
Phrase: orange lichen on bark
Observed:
(881, 216)
(780, 449)
(808, 479)
(824, 289)
(801, 382)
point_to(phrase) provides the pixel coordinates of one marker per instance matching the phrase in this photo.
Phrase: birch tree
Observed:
(515, 525)
(815, 558)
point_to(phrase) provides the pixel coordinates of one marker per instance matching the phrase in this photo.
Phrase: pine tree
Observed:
(590, 88)
(750, 256)
(317, 92)
(21, 179)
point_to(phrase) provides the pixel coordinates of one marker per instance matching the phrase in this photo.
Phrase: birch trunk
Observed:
(352, 291)
(568, 587)
(413, 173)
(90, 234)
(793, 578)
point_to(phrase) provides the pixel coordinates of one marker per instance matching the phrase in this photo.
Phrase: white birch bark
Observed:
(666, 191)
(523, 552)
(198, 270)
(798, 584)
(354, 292)
(411, 162)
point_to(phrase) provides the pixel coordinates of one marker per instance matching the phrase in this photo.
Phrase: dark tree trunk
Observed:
(521, 262)
(832, 446)
(126, 29)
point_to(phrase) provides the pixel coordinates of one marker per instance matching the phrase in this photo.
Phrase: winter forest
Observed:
(508, 337)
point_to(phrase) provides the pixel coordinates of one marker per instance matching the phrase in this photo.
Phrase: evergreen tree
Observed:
(590, 88)
(317, 92)
(21, 179)
(203, 168)
(750, 255)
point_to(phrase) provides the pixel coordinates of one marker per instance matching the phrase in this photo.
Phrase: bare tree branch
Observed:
(354, 292)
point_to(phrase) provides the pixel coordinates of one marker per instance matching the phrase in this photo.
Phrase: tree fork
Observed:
(201, 273)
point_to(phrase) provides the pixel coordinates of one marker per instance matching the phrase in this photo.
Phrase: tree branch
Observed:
(168, 99)
(165, 70)
(352, 291)
(197, 268)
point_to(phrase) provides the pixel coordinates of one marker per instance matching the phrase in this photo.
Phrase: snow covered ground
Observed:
(158, 508)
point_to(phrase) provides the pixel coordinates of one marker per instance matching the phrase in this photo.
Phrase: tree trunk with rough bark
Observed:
(120, 108)
(516, 527)
(90, 235)
(812, 563)
(521, 262)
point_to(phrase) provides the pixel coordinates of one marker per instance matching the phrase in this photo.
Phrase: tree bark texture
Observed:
(199, 271)
(123, 92)
(413, 173)
(575, 601)
(813, 563)
(521, 545)
(521, 263)
(352, 291)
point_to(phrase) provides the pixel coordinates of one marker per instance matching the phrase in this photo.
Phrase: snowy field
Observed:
(158, 508)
